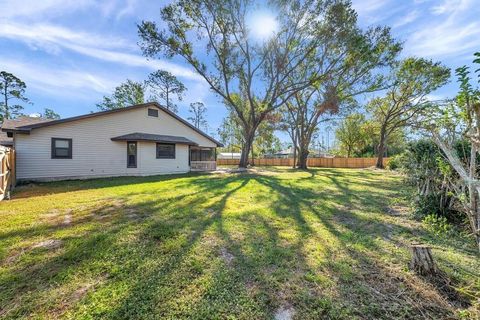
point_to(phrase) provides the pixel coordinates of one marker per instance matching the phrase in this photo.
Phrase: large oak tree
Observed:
(213, 37)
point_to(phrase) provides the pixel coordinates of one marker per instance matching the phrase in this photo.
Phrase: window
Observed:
(61, 148)
(153, 112)
(165, 151)
(131, 154)
(205, 154)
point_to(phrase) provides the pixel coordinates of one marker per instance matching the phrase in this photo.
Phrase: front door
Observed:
(131, 154)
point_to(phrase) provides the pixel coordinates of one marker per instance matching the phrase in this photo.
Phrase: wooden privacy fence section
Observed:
(7, 171)
(312, 162)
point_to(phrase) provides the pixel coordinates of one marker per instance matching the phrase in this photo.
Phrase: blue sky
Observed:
(72, 52)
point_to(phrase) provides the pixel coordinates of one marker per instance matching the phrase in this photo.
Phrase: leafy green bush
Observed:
(395, 162)
(437, 224)
(425, 167)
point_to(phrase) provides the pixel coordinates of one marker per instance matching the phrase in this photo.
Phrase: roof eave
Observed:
(16, 130)
(158, 141)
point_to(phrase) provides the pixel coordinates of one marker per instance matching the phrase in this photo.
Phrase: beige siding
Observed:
(94, 154)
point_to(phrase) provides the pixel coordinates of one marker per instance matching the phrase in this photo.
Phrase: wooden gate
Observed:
(7, 171)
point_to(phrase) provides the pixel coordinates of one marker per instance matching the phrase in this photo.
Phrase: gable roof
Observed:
(28, 127)
(138, 136)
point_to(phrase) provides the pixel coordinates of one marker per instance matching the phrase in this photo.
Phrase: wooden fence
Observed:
(311, 162)
(7, 171)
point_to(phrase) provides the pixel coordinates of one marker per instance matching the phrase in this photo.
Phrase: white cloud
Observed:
(127, 9)
(451, 6)
(36, 9)
(409, 18)
(455, 32)
(135, 61)
(55, 80)
(53, 39)
(366, 7)
(44, 34)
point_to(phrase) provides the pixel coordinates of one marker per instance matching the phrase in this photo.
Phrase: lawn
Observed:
(327, 243)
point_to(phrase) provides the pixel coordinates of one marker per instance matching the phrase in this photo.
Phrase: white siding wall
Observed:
(94, 154)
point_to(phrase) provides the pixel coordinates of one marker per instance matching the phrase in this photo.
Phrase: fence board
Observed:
(312, 162)
(7, 171)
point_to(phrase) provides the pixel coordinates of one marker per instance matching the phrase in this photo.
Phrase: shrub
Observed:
(438, 225)
(395, 162)
(425, 167)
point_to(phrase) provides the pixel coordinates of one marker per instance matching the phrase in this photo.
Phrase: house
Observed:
(229, 155)
(139, 140)
(284, 154)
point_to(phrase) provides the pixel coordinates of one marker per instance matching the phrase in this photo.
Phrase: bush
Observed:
(425, 167)
(395, 162)
(438, 225)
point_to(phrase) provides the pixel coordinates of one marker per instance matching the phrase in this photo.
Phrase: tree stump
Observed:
(422, 260)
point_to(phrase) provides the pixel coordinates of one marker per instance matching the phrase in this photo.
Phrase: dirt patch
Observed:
(227, 256)
(69, 299)
(284, 313)
(398, 211)
(107, 209)
(211, 213)
(14, 257)
(48, 244)
(67, 219)
(51, 214)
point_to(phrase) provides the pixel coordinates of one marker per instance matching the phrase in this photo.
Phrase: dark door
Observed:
(131, 154)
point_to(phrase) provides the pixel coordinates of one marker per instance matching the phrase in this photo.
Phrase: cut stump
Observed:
(422, 260)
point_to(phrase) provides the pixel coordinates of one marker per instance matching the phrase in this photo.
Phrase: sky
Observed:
(70, 53)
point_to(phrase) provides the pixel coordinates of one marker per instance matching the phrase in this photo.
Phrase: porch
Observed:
(202, 159)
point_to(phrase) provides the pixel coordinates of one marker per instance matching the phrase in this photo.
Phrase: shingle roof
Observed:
(12, 124)
(28, 127)
(138, 136)
(5, 140)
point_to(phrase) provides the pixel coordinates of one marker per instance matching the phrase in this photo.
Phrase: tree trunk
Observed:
(246, 149)
(5, 105)
(294, 140)
(302, 158)
(422, 260)
(253, 157)
(381, 148)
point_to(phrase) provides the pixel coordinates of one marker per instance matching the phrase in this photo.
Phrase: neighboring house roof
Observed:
(229, 155)
(5, 140)
(13, 124)
(27, 128)
(285, 152)
(137, 136)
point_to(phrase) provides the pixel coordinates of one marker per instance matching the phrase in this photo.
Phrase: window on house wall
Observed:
(61, 148)
(153, 112)
(165, 151)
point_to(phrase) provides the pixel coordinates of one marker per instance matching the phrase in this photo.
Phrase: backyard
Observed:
(268, 243)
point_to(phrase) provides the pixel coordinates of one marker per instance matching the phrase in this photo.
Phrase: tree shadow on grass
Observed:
(402, 295)
(33, 189)
(101, 231)
(187, 256)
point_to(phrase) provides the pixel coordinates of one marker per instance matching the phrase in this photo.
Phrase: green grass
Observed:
(319, 243)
